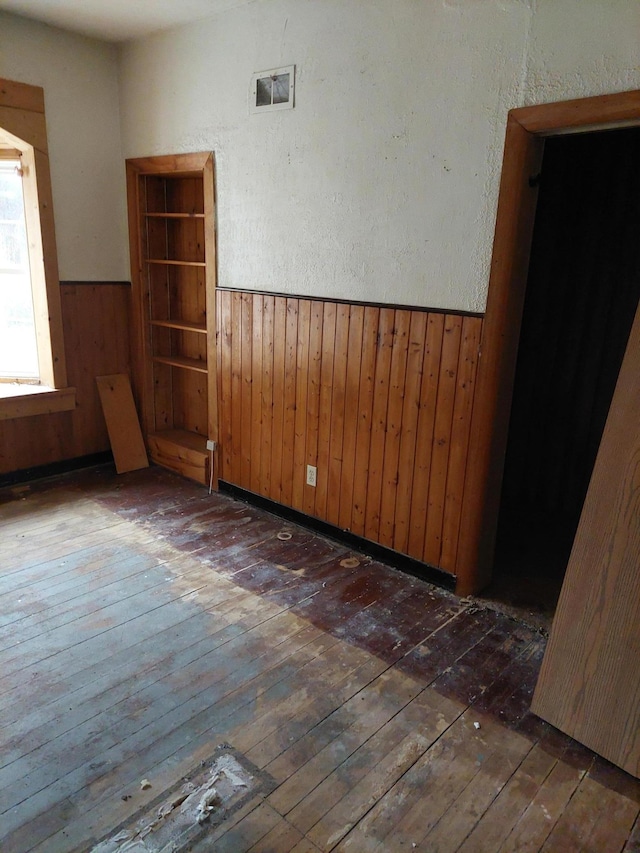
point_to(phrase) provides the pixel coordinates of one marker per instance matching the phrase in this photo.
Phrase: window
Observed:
(33, 376)
(18, 348)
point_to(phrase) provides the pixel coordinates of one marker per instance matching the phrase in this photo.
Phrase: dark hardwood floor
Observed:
(144, 623)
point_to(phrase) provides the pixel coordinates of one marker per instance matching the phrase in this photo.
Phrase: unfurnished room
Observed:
(319, 443)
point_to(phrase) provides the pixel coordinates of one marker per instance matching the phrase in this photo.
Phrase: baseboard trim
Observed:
(424, 571)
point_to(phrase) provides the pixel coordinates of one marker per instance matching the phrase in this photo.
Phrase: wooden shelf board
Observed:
(183, 325)
(184, 363)
(153, 215)
(170, 175)
(176, 263)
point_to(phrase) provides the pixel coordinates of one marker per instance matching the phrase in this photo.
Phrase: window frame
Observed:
(13, 156)
(23, 128)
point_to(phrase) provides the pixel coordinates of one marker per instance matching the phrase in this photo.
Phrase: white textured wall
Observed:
(579, 48)
(382, 183)
(80, 81)
(372, 187)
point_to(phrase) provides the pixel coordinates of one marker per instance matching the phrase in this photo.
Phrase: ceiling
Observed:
(117, 20)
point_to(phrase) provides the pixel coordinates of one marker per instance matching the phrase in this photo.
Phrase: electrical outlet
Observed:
(312, 475)
(211, 445)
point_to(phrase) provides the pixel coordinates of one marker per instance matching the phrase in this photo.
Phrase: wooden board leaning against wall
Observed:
(378, 399)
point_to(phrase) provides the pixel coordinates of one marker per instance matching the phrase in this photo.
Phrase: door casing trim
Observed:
(526, 130)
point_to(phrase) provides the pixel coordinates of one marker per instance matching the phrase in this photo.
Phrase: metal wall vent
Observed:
(272, 90)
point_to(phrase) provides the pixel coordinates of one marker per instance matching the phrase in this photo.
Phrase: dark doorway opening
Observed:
(582, 291)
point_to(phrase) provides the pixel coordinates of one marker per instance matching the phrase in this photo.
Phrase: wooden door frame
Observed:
(527, 128)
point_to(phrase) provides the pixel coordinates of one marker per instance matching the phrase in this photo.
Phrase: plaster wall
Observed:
(80, 80)
(577, 52)
(382, 183)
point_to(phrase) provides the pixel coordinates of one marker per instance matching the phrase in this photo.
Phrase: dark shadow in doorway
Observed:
(582, 292)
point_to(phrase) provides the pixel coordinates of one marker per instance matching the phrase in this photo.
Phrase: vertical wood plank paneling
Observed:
(336, 447)
(289, 408)
(162, 405)
(95, 320)
(352, 387)
(460, 428)
(219, 460)
(224, 374)
(302, 393)
(379, 399)
(364, 413)
(246, 423)
(424, 439)
(96, 330)
(410, 414)
(268, 312)
(118, 338)
(189, 400)
(277, 429)
(379, 422)
(397, 380)
(324, 424)
(442, 438)
(313, 400)
(236, 387)
(257, 413)
(71, 314)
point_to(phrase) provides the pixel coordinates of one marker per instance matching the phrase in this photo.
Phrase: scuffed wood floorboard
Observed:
(143, 623)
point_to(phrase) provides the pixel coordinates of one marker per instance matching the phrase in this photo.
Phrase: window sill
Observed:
(22, 401)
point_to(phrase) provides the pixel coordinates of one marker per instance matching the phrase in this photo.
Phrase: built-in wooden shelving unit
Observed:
(172, 235)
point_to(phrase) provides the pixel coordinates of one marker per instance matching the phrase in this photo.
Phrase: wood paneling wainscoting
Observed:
(379, 399)
(95, 318)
